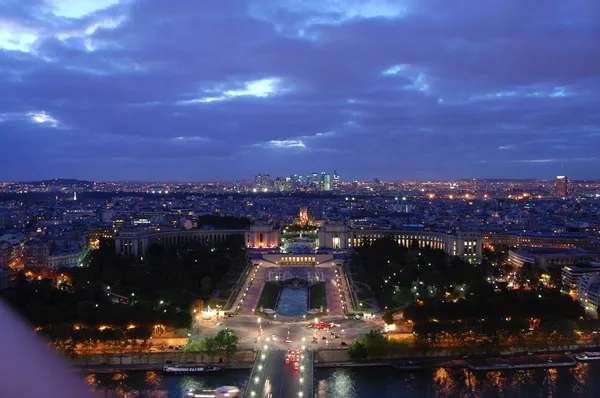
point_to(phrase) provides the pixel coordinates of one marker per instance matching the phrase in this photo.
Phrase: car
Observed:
(530, 353)
(296, 365)
(219, 323)
(344, 343)
(324, 338)
(287, 360)
(288, 340)
(298, 351)
(465, 356)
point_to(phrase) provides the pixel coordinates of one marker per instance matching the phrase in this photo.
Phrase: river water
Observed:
(580, 381)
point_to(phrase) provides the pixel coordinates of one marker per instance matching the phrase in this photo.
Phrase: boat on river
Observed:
(221, 392)
(179, 369)
(589, 356)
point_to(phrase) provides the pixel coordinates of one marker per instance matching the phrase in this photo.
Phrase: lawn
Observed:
(268, 298)
(318, 296)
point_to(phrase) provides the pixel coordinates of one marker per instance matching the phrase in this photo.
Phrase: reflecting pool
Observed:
(292, 302)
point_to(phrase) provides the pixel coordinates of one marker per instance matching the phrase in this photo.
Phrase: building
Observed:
(303, 216)
(588, 292)
(313, 180)
(544, 258)
(542, 240)
(337, 235)
(334, 235)
(11, 250)
(73, 215)
(36, 254)
(562, 187)
(136, 242)
(67, 258)
(263, 183)
(337, 181)
(326, 181)
(572, 274)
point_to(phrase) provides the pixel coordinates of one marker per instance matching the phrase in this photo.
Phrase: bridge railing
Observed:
(255, 372)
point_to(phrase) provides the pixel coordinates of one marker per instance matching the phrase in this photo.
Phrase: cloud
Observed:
(43, 118)
(283, 144)
(261, 88)
(414, 89)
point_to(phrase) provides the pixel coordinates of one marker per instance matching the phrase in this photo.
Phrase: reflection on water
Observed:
(293, 302)
(582, 381)
(158, 385)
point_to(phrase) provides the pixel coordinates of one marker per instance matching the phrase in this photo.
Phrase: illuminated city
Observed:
(299, 198)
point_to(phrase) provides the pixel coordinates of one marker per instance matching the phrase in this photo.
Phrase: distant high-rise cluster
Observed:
(313, 182)
(562, 187)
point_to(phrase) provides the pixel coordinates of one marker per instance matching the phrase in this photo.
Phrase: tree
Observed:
(210, 347)
(375, 343)
(198, 346)
(357, 350)
(227, 341)
(205, 286)
(388, 317)
(596, 339)
(87, 347)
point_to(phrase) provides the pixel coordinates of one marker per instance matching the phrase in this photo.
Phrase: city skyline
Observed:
(111, 90)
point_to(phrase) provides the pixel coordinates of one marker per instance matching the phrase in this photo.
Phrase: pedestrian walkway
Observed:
(248, 303)
(334, 303)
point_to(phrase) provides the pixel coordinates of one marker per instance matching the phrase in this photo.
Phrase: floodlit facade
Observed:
(332, 235)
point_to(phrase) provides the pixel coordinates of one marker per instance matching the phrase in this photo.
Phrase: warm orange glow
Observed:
(130, 327)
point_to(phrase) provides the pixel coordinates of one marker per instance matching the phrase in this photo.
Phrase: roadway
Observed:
(254, 333)
(271, 377)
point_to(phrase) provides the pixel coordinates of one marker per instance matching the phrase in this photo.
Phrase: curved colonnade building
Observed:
(337, 236)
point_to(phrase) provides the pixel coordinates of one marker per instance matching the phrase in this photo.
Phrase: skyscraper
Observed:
(313, 180)
(326, 181)
(562, 187)
(336, 180)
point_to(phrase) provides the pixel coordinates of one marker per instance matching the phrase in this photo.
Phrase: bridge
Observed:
(271, 377)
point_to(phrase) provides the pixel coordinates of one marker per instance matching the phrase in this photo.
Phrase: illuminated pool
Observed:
(292, 302)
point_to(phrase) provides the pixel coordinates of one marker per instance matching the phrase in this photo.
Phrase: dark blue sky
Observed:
(215, 89)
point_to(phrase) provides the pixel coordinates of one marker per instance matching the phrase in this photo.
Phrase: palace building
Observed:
(331, 236)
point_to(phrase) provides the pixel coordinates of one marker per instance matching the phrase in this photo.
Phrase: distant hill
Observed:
(61, 182)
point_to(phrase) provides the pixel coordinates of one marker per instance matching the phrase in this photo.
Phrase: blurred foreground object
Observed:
(29, 368)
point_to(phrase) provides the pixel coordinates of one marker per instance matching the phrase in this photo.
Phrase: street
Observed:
(254, 331)
(273, 378)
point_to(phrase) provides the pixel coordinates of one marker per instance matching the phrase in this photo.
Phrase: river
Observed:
(579, 381)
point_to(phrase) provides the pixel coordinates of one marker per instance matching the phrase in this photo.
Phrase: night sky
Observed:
(196, 90)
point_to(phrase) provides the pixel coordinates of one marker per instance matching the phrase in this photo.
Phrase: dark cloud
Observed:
(193, 90)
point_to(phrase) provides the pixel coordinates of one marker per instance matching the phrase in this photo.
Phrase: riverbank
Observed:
(532, 361)
(552, 360)
(109, 369)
